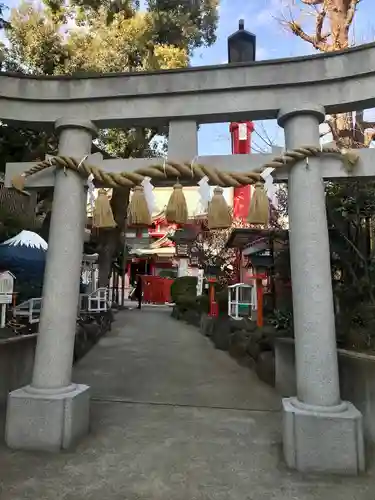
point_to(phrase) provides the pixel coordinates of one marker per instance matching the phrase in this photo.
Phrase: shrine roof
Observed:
(188, 233)
(242, 237)
(163, 242)
(162, 252)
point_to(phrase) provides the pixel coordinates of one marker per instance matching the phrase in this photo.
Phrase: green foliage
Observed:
(24, 145)
(193, 21)
(91, 36)
(17, 212)
(200, 304)
(350, 213)
(282, 320)
(160, 38)
(12, 224)
(41, 42)
(183, 293)
(203, 303)
(181, 23)
(167, 273)
(188, 303)
(350, 209)
(183, 288)
(221, 298)
(27, 290)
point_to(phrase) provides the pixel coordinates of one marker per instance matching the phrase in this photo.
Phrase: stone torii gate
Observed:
(320, 432)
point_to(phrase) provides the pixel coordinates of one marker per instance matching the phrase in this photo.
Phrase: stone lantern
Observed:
(241, 45)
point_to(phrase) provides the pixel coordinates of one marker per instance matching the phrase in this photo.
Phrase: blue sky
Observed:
(262, 17)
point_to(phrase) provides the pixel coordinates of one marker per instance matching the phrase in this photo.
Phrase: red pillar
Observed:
(241, 145)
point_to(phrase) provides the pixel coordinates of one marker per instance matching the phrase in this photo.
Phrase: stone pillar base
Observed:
(319, 440)
(47, 422)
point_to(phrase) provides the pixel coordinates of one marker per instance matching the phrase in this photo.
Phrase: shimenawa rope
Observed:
(191, 171)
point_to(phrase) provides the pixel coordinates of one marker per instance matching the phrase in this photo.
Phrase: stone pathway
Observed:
(172, 419)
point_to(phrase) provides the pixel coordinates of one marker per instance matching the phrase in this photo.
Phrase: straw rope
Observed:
(186, 171)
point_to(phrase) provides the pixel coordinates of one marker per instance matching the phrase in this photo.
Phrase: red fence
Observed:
(156, 290)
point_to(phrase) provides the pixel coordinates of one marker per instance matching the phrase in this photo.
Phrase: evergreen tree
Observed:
(91, 36)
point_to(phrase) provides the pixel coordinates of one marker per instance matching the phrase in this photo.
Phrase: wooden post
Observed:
(214, 309)
(3, 315)
(259, 291)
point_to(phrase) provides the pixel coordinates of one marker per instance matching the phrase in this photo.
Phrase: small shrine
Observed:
(164, 249)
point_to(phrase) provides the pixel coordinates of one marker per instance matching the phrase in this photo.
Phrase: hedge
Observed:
(183, 287)
(184, 295)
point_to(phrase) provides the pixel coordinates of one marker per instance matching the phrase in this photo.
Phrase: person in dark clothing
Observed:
(138, 291)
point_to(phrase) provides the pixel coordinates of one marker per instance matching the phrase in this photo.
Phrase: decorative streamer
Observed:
(91, 191)
(148, 189)
(205, 195)
(270, 187)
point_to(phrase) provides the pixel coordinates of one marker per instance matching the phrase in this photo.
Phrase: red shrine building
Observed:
(152, 252)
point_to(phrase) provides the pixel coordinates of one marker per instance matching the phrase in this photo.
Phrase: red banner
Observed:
(241, 144)
(241, 202)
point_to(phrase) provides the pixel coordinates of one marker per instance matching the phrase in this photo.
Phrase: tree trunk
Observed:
(109, 239)
(338, 11)
(343, 124)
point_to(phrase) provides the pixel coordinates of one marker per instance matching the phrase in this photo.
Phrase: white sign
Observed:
(6, 283)
(183, 267)
(5, 299)
(200, 282)
(242, 131)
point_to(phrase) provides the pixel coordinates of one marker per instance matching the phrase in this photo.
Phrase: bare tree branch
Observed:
(351, 12)
(331, 122)
(270, 141)
(366, 125)
(320, 18)
(319, 44)
(264, 137)
(256, 148)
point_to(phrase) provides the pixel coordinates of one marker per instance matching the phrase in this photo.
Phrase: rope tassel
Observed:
(177, 210)
(259, 206)
(219, 216)
(103, 216)
(191, 172)
(138, 212)
(18, 184)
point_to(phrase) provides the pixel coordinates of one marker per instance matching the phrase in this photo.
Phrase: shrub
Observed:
(222, 300)
(203, 303)
(282, 320)
(183, 287)
(188, 303)
(184, 294)
(167, 273)
(28, 290)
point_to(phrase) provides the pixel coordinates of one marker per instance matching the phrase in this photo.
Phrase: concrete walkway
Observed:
(172, 419)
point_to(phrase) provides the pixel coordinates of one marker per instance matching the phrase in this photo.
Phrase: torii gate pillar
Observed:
(52, 413)
(321, 432)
